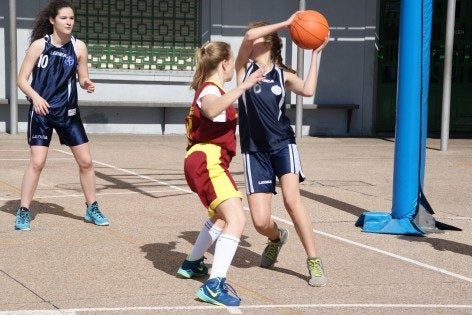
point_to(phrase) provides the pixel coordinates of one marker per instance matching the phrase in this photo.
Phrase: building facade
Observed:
(141, 52)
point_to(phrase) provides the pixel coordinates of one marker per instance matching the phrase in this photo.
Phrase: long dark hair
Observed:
(276, 44)
(42, 26)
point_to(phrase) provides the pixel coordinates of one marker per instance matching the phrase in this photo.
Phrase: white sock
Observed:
(207, 236)
(224, 252)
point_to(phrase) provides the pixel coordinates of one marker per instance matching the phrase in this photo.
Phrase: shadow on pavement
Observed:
(441, 245)
(40, 207)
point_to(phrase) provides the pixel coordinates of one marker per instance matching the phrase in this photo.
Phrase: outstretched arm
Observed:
(248, 40)
(306, 87)
(213, 105)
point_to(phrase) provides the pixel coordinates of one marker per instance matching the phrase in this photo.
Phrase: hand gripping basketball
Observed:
(309, 29)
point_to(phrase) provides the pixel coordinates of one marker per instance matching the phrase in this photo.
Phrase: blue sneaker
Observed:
(23, 219)
(93, 214)
(190, 269)
(215, 291)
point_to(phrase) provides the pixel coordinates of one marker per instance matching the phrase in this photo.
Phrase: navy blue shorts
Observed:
(40, 128)
(262, 168)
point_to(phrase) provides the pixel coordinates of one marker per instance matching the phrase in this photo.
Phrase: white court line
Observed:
(345, 240)
(380, 251)
(131, 172)
(237, 310)
(98, 194)
(49, 159)
(22, 150)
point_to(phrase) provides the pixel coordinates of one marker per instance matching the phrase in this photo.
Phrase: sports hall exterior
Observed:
(141, 58)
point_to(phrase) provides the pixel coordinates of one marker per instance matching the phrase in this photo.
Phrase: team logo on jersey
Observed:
(257, 88)
(277, 90)
(69, 61)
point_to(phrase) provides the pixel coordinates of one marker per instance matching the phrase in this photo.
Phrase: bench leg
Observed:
(349, 116)
(163, 123)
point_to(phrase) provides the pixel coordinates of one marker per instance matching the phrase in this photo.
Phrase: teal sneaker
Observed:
(23, 218)
(215, 291)
(190, 269)
(93, 214)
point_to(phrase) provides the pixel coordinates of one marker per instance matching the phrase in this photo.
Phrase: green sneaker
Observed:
(271, 252)
(317, 274)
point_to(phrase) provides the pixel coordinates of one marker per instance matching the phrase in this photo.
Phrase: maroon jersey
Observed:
(200, 129)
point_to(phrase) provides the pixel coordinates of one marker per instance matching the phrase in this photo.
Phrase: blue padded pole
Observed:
(407, 133)
(411, 126)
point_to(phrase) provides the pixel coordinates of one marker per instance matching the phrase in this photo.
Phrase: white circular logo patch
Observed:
(277, 90)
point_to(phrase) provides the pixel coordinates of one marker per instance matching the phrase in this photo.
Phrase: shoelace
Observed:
(315, 267)
(227, 287)
(272, 249)
(95, 211)
(24, 217)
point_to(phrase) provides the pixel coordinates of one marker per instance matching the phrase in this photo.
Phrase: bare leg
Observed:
(33, 171)
(298, 213)
(260, 205)
(83, 158)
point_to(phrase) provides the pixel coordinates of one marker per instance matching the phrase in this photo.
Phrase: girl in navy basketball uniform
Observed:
(211, 125)
(55, 59)
(268, 141)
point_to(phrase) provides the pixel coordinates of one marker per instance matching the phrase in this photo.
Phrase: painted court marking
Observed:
(342, 239)
(131, 173)
(371, 248)
(237, 310)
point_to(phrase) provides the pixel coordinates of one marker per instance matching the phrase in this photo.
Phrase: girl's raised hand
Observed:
(290, 19)
(317, 50)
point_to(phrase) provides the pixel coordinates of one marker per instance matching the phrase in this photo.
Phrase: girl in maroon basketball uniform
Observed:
(211, 126)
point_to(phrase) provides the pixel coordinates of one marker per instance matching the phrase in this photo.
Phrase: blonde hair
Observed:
(207, 59)
(276, 46)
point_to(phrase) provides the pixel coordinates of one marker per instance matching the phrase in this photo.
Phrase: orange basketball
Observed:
(309, 29)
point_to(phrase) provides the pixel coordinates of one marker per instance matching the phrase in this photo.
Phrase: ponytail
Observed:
(207, 59)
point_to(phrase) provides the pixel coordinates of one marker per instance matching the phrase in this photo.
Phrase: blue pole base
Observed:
(383, 223)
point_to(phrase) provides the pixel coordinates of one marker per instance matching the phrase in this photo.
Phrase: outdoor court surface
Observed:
(66, 266)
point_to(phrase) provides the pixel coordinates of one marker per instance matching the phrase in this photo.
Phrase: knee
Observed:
(85, 164)
(261, 223)
(291, 203)
(37, 164)
(238, 218)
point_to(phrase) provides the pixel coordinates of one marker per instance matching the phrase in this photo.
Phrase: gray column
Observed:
(300, 72)
(12, 59)
(446, 99)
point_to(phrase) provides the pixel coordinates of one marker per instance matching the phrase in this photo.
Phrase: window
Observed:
(139, 34)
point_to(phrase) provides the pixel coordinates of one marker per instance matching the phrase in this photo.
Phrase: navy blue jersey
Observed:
(263, 125)
(55, 79)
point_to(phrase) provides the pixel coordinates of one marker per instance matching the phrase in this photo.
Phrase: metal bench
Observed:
(347, 107)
